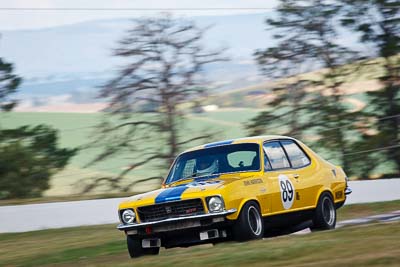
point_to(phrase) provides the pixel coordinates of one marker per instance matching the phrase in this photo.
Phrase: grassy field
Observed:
(362, 210)
(363, 78)
(368, 245)
(76, 130)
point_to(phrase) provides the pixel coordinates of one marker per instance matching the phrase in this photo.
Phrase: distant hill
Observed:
(74, 60)
(86, 47)
(257, 95)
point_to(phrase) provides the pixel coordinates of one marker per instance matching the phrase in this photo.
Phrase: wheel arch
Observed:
(322, 191)
(243, 202)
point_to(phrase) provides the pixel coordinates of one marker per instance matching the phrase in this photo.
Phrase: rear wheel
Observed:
(135, 248)
(249, 224)
(325, 214)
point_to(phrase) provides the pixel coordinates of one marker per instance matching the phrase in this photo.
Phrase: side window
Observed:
(267, 165)
(276, 155)
(295, 154)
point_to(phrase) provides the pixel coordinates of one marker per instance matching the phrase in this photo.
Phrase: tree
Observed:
(378, 22)
(164, 59)
(307, 35)
(288, 58)
(8, 85)
(29, 156)
(335, 120)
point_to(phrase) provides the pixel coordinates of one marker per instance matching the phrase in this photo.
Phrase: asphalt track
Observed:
(23, 218)
(381, 218)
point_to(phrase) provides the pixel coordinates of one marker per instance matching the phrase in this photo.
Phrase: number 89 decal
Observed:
(287, 191)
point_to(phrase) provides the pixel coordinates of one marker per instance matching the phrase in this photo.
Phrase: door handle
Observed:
(296, 176)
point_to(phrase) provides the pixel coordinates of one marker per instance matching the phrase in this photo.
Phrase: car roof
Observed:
(251, 139)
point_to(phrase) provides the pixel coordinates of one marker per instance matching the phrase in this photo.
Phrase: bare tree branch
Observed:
(137, 123)
(165, 57)
(128, 187)
(201, 137)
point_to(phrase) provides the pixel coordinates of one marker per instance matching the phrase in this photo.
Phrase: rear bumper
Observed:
(178, 223)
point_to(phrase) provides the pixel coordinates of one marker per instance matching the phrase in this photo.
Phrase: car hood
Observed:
(186, 190)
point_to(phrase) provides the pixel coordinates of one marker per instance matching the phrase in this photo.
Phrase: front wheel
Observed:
(325, 214)
(136, 250)
(249, 224)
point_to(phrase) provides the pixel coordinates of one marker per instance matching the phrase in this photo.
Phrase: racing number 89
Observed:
(287, 191)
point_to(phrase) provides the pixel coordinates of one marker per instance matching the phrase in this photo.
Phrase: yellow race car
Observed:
(238, 189)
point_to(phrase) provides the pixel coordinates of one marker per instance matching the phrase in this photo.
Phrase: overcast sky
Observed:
(28, 19)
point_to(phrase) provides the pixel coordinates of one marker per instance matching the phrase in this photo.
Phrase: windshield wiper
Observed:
(184, 179)
(194, 175)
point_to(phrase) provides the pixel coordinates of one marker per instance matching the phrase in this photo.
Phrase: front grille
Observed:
(170, 210)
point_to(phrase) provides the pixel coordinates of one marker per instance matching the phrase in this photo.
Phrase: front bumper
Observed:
(348, 191)
(175, 221)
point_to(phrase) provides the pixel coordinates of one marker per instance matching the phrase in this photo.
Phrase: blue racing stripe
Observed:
(227, 142)
(171, 194)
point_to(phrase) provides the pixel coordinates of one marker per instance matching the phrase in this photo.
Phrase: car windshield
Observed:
(215, 160)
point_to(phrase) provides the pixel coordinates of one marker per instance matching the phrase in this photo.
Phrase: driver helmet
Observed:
(206, 165)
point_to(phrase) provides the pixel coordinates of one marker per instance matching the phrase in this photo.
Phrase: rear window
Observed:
(242, 159)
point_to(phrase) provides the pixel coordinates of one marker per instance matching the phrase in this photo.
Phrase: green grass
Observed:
(103, 245)
(367, 209)
(372, 245)
(75, 130)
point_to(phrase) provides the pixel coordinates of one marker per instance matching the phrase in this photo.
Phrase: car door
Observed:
(280, 186)
(301, 171)
(288, 175)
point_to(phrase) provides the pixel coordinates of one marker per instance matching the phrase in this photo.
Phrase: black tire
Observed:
(249, 225)
(325, 214)
(136, 250)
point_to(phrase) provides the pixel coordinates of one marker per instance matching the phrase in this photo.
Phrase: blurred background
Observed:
(98, 97)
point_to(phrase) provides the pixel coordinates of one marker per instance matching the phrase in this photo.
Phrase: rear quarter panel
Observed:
(326, 178)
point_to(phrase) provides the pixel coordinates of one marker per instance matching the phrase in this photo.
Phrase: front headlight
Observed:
(215, 204)
(128, 216)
